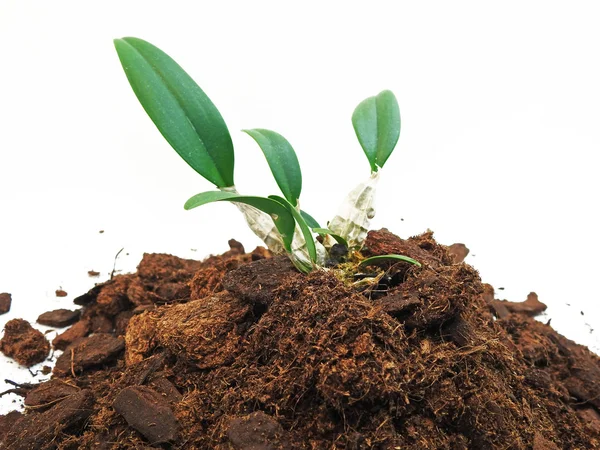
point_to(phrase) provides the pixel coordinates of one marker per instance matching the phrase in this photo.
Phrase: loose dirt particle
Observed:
(66, 338)
(531, 307)
(46, 394)
(5, 302)
(458, 252)
(87, 353)
(59, 318)
(61, 293)
(23, 343)
(256, 431)
(148, 412)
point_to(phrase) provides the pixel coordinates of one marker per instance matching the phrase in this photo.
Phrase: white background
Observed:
(500, 113)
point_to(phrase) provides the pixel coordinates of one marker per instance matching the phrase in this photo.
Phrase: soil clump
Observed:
(240, 351)
(5, 302)
(23, 343)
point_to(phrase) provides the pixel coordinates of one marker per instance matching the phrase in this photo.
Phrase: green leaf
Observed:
(375, 260)
(308, 237)
(337, 237)
(181, 111)
(282, 160)
(310, 220)
(376, 121)
(284, 220)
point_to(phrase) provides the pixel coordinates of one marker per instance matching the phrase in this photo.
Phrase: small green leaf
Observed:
(310, 220)
(374, 260)
(284, 220)
(181, 111)
(308, 237)
(376, 121)
(337, 237)
(282, 160)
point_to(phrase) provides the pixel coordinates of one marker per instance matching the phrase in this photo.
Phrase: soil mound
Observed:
(242, 352)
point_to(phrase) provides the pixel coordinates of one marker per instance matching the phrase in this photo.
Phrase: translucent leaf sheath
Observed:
(355, 214)
(260, 223)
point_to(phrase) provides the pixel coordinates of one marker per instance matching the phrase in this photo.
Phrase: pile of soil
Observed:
(241, 351)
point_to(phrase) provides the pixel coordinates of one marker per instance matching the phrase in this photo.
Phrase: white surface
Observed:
(498, 147)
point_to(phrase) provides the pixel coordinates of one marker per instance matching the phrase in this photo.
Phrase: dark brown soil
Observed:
(61, 293)
(241, 351)
(59, 318)
(5, 302)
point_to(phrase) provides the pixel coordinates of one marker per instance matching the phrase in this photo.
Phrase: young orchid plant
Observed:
(193, 126)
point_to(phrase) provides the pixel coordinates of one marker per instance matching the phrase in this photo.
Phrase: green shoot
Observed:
(376, 121)
(282, 160)
(181, 111)
(193, 126)
(376, 260)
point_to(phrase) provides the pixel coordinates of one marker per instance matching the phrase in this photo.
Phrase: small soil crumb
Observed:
(77, 331)
(257, 431)
(236, 246)
(87, 353)
(5, 302)
(531, 307)
(61, 293)
(48, 393)
(46, 370)
(39, 430)
(458, 252)
(101, 231)
(93, 273)
(59, 318)
(148, 412)
(23, 343)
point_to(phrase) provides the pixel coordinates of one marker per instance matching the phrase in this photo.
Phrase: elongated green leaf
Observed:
(282, 160)
(376, 121)
(374, 260)
(181, 111)
(308, 237)
(284, 220)
(310, 220)
(337, 237)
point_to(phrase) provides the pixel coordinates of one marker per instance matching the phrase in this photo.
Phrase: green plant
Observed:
(193, 126)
